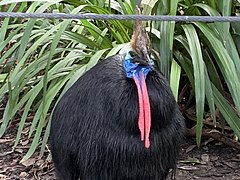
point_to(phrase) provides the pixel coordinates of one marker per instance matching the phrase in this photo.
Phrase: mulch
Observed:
(213, 161)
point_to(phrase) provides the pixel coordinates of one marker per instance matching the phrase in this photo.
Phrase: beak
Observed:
(148, 59)
(144, 60)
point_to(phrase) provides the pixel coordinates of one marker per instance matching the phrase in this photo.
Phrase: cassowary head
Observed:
(140, 42)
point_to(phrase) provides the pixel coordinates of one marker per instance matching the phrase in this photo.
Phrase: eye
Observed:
(133, 54)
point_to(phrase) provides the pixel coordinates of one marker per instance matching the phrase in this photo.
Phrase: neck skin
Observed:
(139, 73)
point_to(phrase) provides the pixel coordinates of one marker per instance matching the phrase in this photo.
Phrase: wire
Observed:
(121, 17)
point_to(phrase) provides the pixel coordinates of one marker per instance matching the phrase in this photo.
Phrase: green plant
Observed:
(206, 54)
(47, 56)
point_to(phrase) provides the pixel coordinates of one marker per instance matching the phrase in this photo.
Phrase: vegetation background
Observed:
(41, 58)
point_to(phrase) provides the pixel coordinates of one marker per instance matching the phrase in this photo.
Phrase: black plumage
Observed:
(94, 131)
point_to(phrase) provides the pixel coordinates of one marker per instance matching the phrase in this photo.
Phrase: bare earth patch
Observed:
(213, 161)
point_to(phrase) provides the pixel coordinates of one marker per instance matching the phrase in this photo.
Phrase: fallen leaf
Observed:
(19, 150)
(188, 168)
(24, 142)
(29, 162)
(23, 174)
(6, 140)
(190, 160)
(190, 148)
(208, 141)
(205, 157)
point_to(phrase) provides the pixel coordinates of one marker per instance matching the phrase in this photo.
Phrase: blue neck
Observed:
(133, 69)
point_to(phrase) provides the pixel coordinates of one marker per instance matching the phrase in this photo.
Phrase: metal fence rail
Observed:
(121, 17)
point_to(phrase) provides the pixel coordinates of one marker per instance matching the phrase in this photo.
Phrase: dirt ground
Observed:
(213, 161)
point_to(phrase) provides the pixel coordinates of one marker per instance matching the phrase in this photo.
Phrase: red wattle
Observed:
(141, 123)
(147, 111)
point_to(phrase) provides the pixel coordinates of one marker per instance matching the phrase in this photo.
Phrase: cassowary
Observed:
(119, 121)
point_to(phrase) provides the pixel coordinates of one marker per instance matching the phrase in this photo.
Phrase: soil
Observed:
(213, 161)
